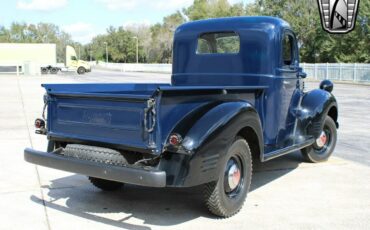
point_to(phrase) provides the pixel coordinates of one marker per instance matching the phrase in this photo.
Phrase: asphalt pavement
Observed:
(286, 193)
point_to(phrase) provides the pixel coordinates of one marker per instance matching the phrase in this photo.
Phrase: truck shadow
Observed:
(74, 195)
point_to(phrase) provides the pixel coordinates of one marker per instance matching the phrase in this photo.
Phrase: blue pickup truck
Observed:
(236, 96)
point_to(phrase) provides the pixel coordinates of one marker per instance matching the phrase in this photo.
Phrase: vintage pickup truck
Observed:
(236, 96)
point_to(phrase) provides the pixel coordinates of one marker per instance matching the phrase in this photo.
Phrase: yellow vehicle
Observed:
(40, 55)
(72, 64)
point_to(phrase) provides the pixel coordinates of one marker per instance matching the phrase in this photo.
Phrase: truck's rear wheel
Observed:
(44, 70)
(54, 70)
(106, 185)
(324, 145)
(81, 70)
(226, 196)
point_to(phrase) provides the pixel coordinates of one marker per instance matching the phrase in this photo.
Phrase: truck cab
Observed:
(236, 96)
(72, 62)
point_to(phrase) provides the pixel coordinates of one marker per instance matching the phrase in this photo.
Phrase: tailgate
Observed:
(115, 118)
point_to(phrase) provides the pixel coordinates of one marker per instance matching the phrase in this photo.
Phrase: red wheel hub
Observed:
(234, 176)
(321, 141)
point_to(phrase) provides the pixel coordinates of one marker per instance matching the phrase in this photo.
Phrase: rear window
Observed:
(218, 43)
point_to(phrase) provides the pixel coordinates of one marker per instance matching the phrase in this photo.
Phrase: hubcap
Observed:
(321, 141)
(233, 176)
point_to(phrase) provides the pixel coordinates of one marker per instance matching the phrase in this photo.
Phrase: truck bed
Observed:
(136, 117)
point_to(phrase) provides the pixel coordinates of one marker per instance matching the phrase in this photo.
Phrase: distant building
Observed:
(26, 57)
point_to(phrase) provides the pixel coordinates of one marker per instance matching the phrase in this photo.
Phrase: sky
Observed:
(84, 19)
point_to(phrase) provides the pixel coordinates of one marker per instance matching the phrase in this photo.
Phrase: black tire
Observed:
(219, 198)
(54, 70)
(95, 154)
(81, 70)
(315, 153)
(44, 70)
(105, 185)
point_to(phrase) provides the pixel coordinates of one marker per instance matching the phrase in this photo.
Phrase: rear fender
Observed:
(217, 121)
(207, 141)
(315, 106)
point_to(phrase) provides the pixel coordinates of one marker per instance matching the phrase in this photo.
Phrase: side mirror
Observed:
(300, 73)
(327, 85)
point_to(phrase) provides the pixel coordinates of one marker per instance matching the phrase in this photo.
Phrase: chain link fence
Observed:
(351, 72)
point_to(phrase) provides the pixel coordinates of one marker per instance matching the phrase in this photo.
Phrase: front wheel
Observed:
(324, 145)
(226, 196)
(81, 70)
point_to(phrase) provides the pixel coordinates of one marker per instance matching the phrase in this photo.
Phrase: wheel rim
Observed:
(323, 142)
(233, 176)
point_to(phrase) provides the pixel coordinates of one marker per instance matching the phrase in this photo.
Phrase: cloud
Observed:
(81, 32)
(41, 5)
(156, 4)
(137, 23)
(119, 4)
(171, 5)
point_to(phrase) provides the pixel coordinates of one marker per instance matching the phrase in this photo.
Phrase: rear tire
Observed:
(321, 152)
(222, 199)
(81, 70)
(95, 154)
(105, 185)
(54, 70)
(44, 70)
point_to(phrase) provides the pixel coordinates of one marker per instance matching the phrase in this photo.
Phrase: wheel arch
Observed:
(316, 105)
(224, 121)
(253, 140)
(333, 113)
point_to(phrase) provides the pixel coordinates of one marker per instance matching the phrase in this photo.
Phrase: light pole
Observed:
(106, 52)
(79, 52)
(137, 49)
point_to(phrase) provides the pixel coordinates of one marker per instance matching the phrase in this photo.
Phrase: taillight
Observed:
(175, 139)
(39, 123)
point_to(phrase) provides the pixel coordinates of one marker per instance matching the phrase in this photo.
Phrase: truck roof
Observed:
(258, 38)
(233, 23)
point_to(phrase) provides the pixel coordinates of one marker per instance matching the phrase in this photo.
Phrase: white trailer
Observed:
(39, 57)
(28, 52)
(16, 57)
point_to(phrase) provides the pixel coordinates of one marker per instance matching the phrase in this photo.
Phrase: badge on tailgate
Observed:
(103, 118)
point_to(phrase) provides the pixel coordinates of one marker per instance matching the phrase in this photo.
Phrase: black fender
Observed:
(203, 149)
(316, 105)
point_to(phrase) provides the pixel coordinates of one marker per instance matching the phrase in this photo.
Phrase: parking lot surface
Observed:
(286, 193)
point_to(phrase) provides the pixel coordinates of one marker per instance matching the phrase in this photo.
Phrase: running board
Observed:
(287, 150)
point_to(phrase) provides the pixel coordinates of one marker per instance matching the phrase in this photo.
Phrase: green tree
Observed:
(162, 38)
(203, 9)
(4, 34)
(121, 45)
(40, 33)
(316, 44)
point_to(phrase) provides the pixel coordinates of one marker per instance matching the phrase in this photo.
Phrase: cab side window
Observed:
(289, 52)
